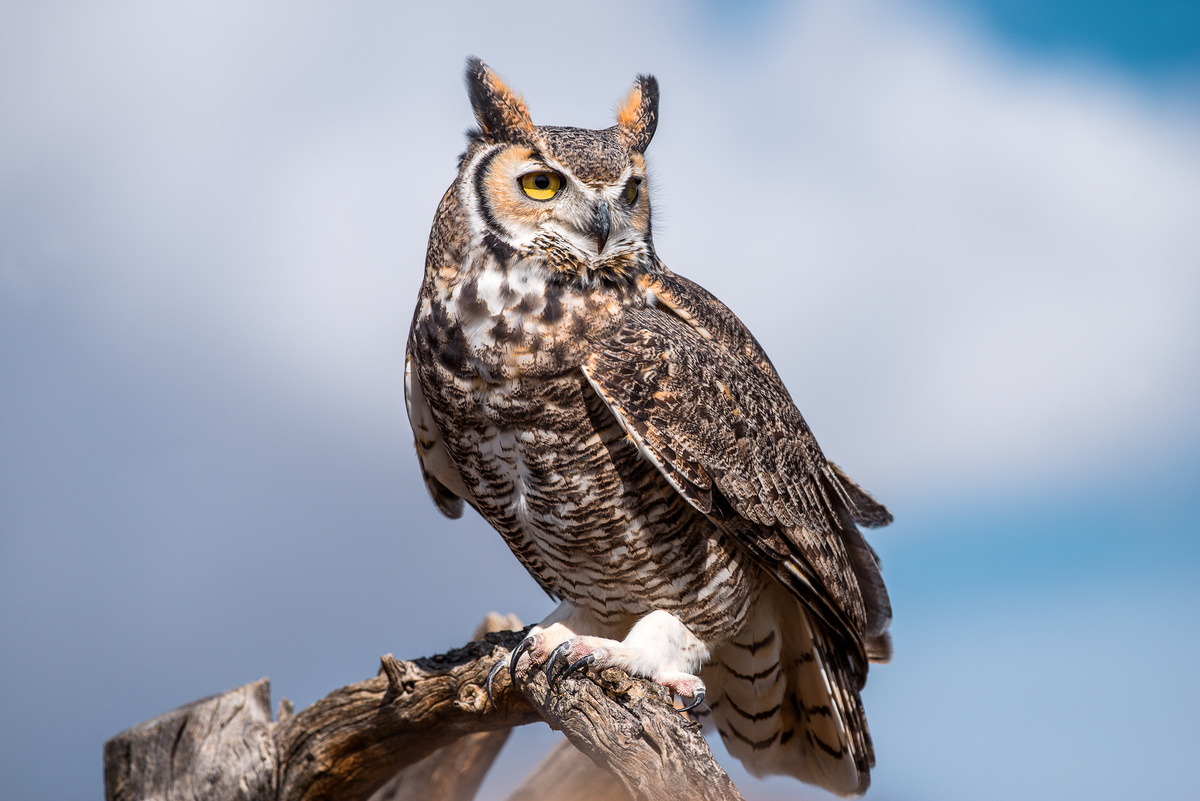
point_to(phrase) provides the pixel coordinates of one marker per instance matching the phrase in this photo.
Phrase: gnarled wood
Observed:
(567, 774)
(453, 772)
(630, 728)
(217, 747)
(351, 742)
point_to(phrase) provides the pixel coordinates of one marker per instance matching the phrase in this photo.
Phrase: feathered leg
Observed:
(659, 647)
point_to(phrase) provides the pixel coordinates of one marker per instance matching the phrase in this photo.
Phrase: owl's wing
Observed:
(693, 388)
(442, 478)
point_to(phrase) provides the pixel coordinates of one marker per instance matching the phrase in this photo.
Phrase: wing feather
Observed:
(695, 390)
(442, 478)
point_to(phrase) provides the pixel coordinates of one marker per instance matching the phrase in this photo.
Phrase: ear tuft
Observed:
(637, 116)
(501, 112)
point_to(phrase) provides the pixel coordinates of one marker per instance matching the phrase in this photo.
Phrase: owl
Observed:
(631, 441)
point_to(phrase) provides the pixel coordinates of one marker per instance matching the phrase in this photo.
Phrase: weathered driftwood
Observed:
(567, 775)
(219, 747)
(630, 728)
(453, 772)
(350, 743)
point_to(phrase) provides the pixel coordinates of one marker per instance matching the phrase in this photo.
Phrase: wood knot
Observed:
(397, 678)
(472, 698)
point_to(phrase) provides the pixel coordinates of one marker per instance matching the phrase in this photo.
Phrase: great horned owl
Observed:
(631, 441)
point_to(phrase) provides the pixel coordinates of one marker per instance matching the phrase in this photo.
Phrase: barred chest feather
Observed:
(498, 349)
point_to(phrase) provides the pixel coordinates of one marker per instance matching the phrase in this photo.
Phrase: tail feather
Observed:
(786, 701)
(748, 698)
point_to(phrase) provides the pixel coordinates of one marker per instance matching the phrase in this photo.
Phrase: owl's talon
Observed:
(496, 668)
(697, 700)
(582, 661)
(555, 655)
(521, 648)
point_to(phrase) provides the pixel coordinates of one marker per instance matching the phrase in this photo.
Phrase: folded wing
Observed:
(693, 388)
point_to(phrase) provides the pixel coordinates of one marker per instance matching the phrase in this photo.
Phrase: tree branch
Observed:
(566, 774)
(352, 741)
(453, 772)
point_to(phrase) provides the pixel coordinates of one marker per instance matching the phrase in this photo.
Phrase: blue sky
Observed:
(1150, 39)
(966, 234)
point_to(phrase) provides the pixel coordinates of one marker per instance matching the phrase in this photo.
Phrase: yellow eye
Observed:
(631, 190)
(541, 185)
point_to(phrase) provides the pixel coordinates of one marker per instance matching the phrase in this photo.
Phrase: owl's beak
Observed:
(601, 225)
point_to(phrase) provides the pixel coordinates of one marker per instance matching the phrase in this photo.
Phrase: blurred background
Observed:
(968, 234)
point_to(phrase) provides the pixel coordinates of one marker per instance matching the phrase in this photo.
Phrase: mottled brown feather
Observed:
(713, 409)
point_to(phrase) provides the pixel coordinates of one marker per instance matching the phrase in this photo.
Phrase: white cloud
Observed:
(975, 274)
(972, 272)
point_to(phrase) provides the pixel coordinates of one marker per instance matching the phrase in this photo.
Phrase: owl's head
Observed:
(574, 198)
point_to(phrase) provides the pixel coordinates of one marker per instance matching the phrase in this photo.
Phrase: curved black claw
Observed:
(521, 648)
(697, 700)
(555, 655)
(500, 663)
(582, 661)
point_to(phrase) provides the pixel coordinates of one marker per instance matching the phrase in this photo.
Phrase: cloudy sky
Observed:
(968, 234)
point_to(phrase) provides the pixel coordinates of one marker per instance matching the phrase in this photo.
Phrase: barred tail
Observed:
(785, 699)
